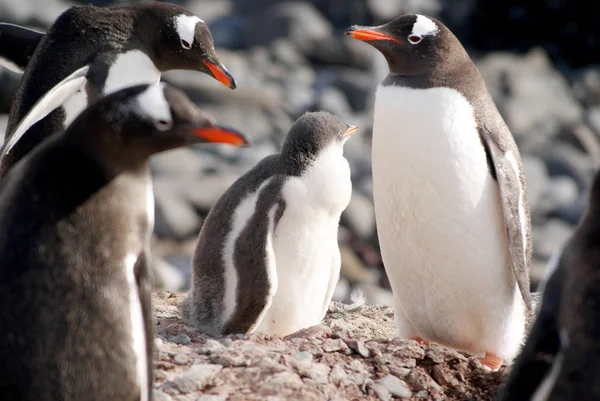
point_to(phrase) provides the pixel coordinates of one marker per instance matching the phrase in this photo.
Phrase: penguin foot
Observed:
(420, 340)
(491, 362)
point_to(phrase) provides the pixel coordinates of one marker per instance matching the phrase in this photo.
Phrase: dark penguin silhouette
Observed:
(90, 52)
(76, 216)
(561, 357)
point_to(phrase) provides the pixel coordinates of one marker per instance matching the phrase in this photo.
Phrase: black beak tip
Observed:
(351, 29)
(233, 84)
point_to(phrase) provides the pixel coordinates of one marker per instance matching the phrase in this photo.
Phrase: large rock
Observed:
(532, 95)
(300, 22)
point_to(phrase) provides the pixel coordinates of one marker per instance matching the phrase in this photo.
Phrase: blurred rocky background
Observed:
(539, 59)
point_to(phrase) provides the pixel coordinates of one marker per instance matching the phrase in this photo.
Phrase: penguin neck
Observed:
(449, 75)
(110, 151)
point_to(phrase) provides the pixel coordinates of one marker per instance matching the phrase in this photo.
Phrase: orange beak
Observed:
(352, 129)
(221, 74)
(367, 35)
(221, 135)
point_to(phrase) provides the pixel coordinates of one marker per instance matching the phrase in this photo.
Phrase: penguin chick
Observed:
(267, 257)
(449, 192)
(560, 359)
(76, 216)
(92, 51)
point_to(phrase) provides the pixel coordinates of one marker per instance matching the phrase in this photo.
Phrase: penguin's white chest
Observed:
(305, 245)
(128, 69)
(439, 221)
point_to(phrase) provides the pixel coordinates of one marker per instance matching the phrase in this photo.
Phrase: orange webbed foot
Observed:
(420, 341)
(491, 362)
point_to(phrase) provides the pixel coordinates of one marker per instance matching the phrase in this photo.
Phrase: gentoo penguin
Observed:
(75, 218)
(17, 45)
(267, 257)
(561, 357)
(93, 51)
(450, 198)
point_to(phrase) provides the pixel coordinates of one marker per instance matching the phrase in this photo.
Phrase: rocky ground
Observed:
(350, 356)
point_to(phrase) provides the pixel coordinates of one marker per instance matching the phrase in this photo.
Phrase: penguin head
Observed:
(314, 132)
(183, 41)
(146, 119)
(412, 44)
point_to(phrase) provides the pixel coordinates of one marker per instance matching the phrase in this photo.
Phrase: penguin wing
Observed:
(505, 167)
(53, 99)
(255, 255)
(534, 369)
(17, 45)
(143, 278)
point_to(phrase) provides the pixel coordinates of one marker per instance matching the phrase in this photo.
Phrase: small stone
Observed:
(270, 365)
(285, 379)
(359, 347)
(226, 342)
(331, 345)
(196, 378)
(408, 349)
(211, 397)
(304, 355)
(158, 395)
(381, 391)
(395, 386)
(181, 339)
(313, 348)
(443, 376)
(399, 371)
(312, 332)
(338, 375)
(420, 380)
(230, 359)
(180, 358)
(211, 346)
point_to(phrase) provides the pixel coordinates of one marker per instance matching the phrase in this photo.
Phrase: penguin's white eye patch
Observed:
(185, 25)
(414, 39)
(185, 44)
(424, 26)
(152, 105)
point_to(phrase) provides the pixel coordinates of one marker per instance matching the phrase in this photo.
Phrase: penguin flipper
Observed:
(508, 172)
(143, 278)
(255, 247)
(17, 45)
(53, 99)
(532, 369)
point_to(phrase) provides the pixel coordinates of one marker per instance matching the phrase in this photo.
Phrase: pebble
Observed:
(381, 391)
(359, 347)
(395, 386)
(196, 378)
(180, 358)
(158, 395)
(211, 346)
(181, 339)
(333, 345)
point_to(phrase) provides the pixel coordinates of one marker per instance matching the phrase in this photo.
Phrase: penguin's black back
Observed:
(74, 40)
(67, 225)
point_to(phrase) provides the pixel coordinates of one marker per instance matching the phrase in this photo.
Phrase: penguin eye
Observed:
(414, 39)
(163, 125)
(185, 44)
